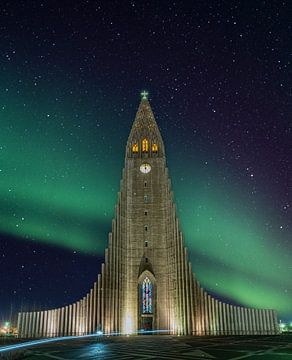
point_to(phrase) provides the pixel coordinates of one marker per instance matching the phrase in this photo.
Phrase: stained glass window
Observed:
(154, 148)
(144, 145)
(146, 296)
(135, 148)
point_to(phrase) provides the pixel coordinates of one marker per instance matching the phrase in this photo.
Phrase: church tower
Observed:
(147, 282)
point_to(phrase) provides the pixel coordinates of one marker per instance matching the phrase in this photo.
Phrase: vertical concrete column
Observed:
(203, 318)
(87, 314)
(264, 311)
(74, 319)
(220, 318)
(188, 293)
(239, 321)
(249, 311)
(275, 322)
(246, 321)
(261, 321)
(98, 307)
(258, 325)
(83, 315)
(208, 306)
(192, 305)
(224, 318)
(30, 327)
(66, 315)
(21, 325)
(54, 320)
(19, 321)
(228, 319)
(199, 315)
(25, 325)
(33, 325)
(272, 322)
(41, 324)
(106, 288)
(90, 316)
(94, 308)
(62, 322)
(37, 326)
(268, 325)
(19, 318)
(181, 285)
(70, 315)
(78, 317)
(206, 316)
(49, 324)
(102, 298)
(235, 320)
(232, 320)
(217, 316)
(45, 324)
(112, 276)
(253, 325)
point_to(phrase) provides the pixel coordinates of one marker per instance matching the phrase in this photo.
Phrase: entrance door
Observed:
(146, 323)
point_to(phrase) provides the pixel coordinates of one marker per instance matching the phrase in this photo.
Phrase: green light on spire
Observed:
(144, 94)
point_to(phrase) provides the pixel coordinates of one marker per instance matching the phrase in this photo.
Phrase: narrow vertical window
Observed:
(145, 183)
(145, 198)
(147, 296)
(146, 243)
(145, 212)
(146, 228)
(145, 145)
(135, 148)
(154, 148)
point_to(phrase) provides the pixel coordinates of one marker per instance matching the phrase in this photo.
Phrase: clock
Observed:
(145, 168)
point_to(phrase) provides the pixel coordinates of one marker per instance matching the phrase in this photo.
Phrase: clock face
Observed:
(145, 168)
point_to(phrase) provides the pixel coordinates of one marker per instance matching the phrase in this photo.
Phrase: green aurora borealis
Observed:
(62, 191)
(218, 75)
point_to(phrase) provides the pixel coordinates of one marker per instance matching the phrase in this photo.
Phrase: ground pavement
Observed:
(148, 347)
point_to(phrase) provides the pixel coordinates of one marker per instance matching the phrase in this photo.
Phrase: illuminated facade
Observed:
(147, 281)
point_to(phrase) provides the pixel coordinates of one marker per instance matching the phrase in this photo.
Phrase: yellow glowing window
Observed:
(154, 148)
(135, 148)
(144, 145)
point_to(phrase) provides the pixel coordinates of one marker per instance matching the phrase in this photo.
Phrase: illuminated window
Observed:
(146, 296)
(144, 145)
(154, 148)
(135, 148)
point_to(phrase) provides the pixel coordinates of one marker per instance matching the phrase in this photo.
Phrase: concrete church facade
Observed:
(147, 281)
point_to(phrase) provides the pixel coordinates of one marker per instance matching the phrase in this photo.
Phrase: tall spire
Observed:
(145, 127)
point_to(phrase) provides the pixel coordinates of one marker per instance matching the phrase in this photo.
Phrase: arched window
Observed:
(135, 148)
(154, 148)
(147, 296)
(145, 145)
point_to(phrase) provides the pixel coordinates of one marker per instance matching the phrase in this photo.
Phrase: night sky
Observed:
(219, 78)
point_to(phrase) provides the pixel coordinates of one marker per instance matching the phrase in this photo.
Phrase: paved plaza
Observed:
(165, 347)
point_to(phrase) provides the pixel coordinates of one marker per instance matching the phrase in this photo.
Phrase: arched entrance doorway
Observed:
(147, 301)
